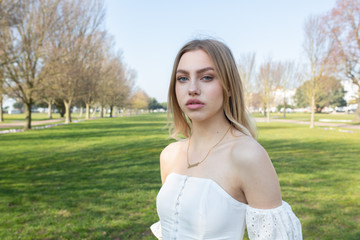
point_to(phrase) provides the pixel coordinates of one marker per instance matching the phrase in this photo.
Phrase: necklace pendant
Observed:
(193, 165)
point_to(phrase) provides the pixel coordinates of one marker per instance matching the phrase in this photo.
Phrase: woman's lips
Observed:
(194, 104)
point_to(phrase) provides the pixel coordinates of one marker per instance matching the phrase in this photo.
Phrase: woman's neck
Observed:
(208, 131)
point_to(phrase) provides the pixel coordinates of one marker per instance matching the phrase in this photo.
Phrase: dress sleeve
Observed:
(270, 224)
(156, 230)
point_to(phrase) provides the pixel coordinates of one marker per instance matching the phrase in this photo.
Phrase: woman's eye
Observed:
(208, 78)
(182, 79)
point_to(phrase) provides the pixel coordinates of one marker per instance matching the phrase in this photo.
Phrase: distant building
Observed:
(351, 91)
(8, 103)
(279, 95)
(14, 111)
(351, 95)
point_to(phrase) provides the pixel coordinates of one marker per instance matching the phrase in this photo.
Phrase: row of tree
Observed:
(58, 50)
(332, 51)
(260, 84)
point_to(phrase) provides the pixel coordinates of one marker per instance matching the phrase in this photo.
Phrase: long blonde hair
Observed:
(234, 102)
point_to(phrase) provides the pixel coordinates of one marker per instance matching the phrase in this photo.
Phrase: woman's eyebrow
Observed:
(198, 71)
(204, 70)
(182, 71)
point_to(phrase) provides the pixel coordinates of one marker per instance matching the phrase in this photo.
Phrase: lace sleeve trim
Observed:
(271, 224)
(156, 230)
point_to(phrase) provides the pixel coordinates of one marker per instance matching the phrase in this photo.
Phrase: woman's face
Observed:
(198, 88)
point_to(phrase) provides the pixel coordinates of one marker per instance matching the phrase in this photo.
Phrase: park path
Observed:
(325, 124)
(33, 123)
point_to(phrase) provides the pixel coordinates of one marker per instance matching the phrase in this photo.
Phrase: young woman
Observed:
(219, 178)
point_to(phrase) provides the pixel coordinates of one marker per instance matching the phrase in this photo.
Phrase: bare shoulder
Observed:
(259, 180)
(247, 151)
(169, 150)
(168, 159)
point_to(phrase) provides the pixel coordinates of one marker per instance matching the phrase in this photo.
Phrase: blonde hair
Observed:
(226, 69)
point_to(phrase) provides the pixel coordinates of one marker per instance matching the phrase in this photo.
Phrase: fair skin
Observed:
(238, 163)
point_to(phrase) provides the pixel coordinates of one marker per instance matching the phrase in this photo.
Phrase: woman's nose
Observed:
(194, 88)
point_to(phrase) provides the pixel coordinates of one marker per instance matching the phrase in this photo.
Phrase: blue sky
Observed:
(149, 33)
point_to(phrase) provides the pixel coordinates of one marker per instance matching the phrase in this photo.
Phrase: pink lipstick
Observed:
(194, 104)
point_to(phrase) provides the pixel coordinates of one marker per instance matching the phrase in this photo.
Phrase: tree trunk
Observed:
(267, 112)
(87, 116)
(28, 106)
(111, 111)
(284, 106)
(81, 111)
(93, 114)
(357, 112)
(1, 112)
(67, 111)
(101, 112)
(49, 109)
(313, 106)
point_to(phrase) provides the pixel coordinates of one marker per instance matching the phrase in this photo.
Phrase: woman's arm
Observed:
(167, 160)
(267, 216)
(259, 181)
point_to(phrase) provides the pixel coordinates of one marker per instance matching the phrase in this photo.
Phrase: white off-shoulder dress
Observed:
(198, 208)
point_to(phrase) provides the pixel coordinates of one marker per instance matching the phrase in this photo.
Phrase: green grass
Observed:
(306, 117)
(319, 174)
(15, 118)
(20, 118)
(99, 179)
(11, 118)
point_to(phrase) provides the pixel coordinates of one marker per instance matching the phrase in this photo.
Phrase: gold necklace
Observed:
(197, 164)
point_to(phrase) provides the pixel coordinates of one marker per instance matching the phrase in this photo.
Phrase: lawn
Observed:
(19, 119)
(322, 117)
(13, 118)
(98, 179)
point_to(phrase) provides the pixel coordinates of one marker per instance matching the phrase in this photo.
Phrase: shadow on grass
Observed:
(96, 180)
(319, 177)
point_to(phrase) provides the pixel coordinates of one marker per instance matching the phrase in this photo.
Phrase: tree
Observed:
(123, 84)
(11, 12)
(73, 46)
(47, 93)
(289, 78)
(246, 67)
(331, 94)
(18, 105)
(317, 48)
(59, 104)
(342, 25)
(164, 105)
(300, 96)
(268, 79)
(257, 101)
(93, 74)
(337, 97)
(139, 100)
(116, 83)
(2, 91)
(24, 46)
(153, 104)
